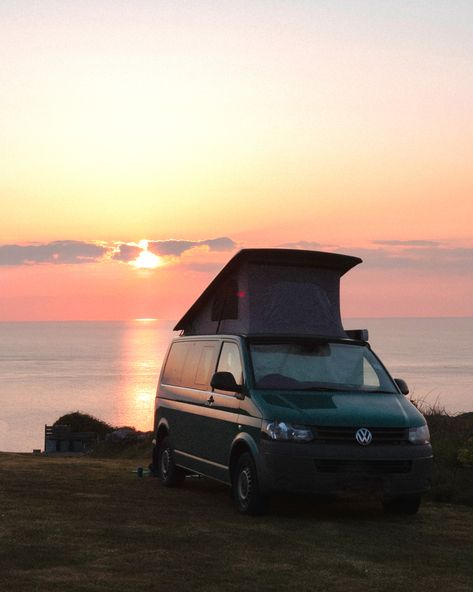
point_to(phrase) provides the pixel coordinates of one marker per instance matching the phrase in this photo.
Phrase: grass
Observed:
(89, 524)
(452, 441)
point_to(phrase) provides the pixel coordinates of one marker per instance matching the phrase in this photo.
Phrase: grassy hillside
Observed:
(85, 524)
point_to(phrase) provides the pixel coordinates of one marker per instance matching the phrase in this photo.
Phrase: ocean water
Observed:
(110, 369)
(107, 369)
(433, 355)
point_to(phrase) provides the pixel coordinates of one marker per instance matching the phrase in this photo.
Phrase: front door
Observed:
(221, 426)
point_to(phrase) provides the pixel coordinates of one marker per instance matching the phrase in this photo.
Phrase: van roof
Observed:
(274, 337)
(334, 264)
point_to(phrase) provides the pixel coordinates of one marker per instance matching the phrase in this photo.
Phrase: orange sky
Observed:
(334, 126)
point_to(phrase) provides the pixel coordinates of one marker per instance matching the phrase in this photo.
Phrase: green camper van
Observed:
(265, 391)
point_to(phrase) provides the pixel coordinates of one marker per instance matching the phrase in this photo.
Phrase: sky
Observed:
(144, 143)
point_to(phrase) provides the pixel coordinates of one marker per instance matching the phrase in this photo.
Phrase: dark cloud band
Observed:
(57, 252)
(178, 247)
(443, 260)
(126, 253)
(415, 255)
(310, 245)
(76, 252)
(407, 243)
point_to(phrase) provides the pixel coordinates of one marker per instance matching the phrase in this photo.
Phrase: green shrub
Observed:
(452, 443)
(465, 454)
(83, 422)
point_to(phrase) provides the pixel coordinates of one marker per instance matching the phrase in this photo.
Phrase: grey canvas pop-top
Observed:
(283, 291)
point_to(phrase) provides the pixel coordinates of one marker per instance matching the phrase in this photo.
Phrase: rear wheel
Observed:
(408, 504)
(170, 474)
(245, 488)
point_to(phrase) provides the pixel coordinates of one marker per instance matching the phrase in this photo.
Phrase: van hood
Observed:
(340, 408)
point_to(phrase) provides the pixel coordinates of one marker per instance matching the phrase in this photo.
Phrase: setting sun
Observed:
(146, 259)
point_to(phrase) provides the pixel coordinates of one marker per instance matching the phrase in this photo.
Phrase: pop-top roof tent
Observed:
(272, 291)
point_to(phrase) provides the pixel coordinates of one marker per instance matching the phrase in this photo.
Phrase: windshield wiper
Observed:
(376, 392)
(321, 389)
(342, 390)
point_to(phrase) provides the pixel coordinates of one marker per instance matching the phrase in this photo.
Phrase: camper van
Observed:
(265, 391)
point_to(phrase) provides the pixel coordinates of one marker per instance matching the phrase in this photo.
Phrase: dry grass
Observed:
(82, 524)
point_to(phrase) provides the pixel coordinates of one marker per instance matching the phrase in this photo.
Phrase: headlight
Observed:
(280, 430)
(420, 435)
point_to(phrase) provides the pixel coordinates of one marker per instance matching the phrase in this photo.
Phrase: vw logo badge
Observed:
(364, 436)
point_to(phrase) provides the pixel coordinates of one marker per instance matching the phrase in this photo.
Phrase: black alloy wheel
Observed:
(170, 474)
(245, 488)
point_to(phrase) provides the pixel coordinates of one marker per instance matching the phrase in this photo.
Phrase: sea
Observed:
(110, 369)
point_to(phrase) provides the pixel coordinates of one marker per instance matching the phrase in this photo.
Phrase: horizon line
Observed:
(155, 319)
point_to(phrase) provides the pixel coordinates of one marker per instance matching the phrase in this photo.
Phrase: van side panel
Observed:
(202, 423)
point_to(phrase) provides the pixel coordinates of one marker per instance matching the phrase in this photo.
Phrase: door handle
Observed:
(210, 400)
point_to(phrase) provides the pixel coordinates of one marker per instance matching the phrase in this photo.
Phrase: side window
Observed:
(190, 367)
(191, 364)
(205, 366)
(230, 361)
(175, 363)
(370, 376)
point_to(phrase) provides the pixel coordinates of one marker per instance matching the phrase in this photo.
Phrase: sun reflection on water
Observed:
(143, 347)
(146, 320)
(143, 397)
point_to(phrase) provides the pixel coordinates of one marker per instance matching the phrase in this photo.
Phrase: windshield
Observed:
(318, 366)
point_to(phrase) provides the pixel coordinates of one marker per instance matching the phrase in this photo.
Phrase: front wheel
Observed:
(170, 474)
(408, 504)
(245, 488)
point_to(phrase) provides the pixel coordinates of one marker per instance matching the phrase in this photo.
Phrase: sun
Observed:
(146, 259)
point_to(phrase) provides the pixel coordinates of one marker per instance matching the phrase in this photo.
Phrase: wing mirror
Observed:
(402, 386)
(225, 381)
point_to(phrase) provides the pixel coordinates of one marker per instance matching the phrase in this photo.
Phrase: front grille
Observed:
(371, 467)
(346, 435)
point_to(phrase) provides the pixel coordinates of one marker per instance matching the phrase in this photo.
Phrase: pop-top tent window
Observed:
(280, 291)
(225, 301)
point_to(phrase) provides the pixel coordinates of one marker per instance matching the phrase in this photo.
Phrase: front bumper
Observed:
(320, 468)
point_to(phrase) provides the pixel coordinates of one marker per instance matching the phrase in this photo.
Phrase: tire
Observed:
(245, 488)
(170, 474)
(408, 505)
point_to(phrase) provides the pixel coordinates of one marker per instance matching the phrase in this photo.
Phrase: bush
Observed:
(130, 443)
(83, 422)
(452, 443)
(465, 454)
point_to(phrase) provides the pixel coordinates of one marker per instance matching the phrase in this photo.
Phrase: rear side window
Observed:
(205, 366)
(175, 363)
(191, 364)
